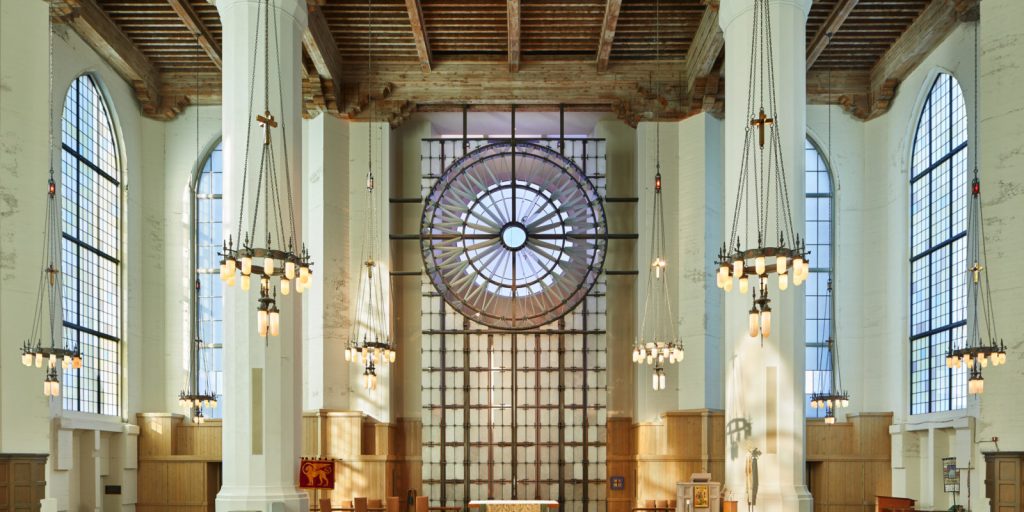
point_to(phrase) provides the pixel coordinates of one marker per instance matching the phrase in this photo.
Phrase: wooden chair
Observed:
(325, 504)
(360, 504)
(394, 504)
(422, 504)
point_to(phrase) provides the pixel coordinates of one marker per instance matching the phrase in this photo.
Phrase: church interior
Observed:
(511, 255)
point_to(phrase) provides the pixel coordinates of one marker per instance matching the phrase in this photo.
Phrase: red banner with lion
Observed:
(316, 474)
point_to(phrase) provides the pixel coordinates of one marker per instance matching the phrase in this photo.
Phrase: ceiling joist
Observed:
(930, 28)
(195, 25)
(419, 32)
(604, 44)
(103, 35)
(513, 13)
(323, 52)
(824, 34)
(704, 51)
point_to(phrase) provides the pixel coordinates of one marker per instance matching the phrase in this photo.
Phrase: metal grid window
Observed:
(818, 208)
(91, 213)
(515, 415)
(209, 300)
(938, 257)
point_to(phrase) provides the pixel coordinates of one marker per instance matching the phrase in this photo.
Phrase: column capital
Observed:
(729, 10)
(296, 9)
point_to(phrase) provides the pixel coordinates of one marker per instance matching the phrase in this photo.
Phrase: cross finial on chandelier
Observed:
(266, 122)
(761, 122)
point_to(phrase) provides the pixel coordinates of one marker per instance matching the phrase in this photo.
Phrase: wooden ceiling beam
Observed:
(419, 33)
(832, 24)
(195, 25)
(701, 56)
(103, 35)
(323, 52)
(513, 14)
(936, 22)
(604, 44)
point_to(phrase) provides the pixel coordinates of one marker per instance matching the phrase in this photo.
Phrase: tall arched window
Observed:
(818, 210)
(209, 298)
(91, 202)
(938, 260)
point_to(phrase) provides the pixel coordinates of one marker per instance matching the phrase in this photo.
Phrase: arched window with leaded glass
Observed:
(819, 206)
(938, 249)
(208, 300)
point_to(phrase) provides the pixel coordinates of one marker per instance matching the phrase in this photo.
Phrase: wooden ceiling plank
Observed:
(707, 46)
(419, 33)
(323, 52)
(192, 21)
(604, 44)
(513, 11)
(824, 35)
(104, 36)
(936, 22)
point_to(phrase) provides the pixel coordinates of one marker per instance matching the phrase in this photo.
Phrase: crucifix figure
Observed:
(761, 121)
(266, 121)
(976, 271)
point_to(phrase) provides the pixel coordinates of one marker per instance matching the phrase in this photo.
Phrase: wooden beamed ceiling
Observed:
(432, 55)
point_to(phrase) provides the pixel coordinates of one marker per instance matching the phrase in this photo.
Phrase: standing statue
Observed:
(751, 471)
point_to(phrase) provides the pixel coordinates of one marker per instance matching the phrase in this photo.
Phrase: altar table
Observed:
(513, 505)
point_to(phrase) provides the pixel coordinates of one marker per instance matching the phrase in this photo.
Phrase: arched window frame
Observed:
(91, 209)
(817, 314)
(937, 238)
(212, 288)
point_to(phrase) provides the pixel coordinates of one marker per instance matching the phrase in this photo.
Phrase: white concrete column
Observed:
(326, 208)
(262, 377)
(765, 384)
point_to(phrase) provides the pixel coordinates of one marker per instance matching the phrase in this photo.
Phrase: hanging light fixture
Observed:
(983, 346)
(658, 341)
(829, 392)
(753, 253)
(370, 343)
(48, 315)
(270, 255)
(192, 398)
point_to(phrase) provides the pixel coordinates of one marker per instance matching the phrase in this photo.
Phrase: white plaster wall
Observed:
(178, 154)
(846, 161)
(76, 468)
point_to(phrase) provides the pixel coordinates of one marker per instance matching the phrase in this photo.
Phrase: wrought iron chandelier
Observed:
(658, 341)
(752, 253)
(48, 316)
(271, 255)
(370, 343)
(983, 345)
(193, 398)
(830, 394)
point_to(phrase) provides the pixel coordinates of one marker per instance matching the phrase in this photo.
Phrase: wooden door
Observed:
(1004, 483)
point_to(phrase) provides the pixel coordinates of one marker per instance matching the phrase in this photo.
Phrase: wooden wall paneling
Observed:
(156, 433)
(22, 481)
(152, 483)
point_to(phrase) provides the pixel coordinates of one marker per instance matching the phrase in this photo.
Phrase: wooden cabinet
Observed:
(22, 481)
(176, 485)
(1004, 481)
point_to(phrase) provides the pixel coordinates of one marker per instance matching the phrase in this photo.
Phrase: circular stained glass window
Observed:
(513, 243)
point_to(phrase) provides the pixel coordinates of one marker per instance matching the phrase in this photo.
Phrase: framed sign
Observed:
(617, 483)
(701, 497)
(950, 475)
(316, 474)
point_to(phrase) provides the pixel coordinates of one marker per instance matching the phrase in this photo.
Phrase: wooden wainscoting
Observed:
(179, 464)
(849, 463)
(375, 459)
(680, 444)
(22, 481)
